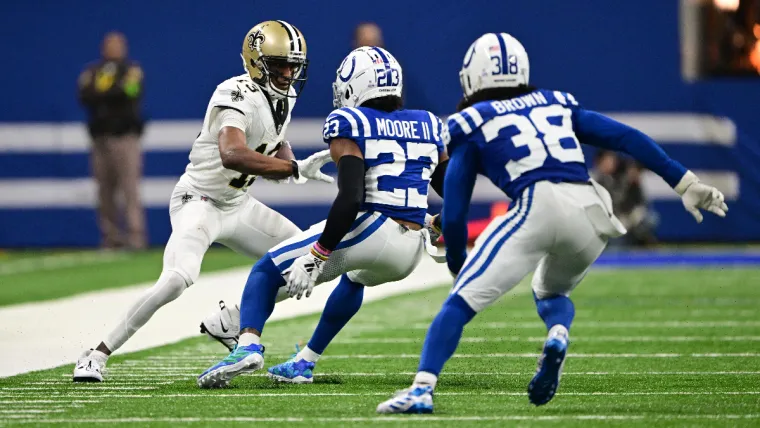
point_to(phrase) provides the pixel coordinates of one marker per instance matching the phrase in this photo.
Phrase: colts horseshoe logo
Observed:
(350, 73)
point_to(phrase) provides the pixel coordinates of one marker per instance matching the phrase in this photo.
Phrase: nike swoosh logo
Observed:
(224, 329)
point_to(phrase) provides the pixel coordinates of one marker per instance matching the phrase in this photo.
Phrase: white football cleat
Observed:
(223, 325)
(88, 369)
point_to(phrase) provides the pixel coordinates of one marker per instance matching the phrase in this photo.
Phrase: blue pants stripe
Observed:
(311, 239)
(501, 242)
(479, 254)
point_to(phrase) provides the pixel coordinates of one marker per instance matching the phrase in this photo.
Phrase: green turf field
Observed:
(649, 348)
(28, 277)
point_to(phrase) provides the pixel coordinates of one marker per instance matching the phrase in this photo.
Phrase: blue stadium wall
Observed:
(620, 58)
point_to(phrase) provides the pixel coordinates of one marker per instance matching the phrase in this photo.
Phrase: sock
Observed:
(344, 302)
(259, 294)
(246, 339)
(99, 357)
(425, 378)
(444, 333)
(308, 354)
(169, 286)
(558, 330)
(557, 310)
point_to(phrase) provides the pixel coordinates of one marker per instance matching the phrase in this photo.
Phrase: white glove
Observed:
(696, 195)
(309, 168)
(302, 275)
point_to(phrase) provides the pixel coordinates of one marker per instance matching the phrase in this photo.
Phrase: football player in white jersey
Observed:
(242, 138)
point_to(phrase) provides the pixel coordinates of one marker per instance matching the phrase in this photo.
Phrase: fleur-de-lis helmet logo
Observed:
(255, 40)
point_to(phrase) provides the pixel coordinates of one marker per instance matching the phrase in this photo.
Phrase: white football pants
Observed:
(376, 250)
(250, 228)
(556, 230)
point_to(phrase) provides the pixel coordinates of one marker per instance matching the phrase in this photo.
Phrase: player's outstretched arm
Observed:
(457, 186)
(601, 131)
(303, 273)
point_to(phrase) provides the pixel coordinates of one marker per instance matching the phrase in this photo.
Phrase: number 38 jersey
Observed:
(400, 152)
(266, 121)
(522, 140)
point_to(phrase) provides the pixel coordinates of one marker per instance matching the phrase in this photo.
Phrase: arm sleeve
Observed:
(598, 130)
(346, 205)
(437, 179)
(458, 185)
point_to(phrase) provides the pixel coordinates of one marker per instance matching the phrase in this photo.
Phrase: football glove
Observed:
(433, 226)
(301, 276)
(309, 168)
(696, 196)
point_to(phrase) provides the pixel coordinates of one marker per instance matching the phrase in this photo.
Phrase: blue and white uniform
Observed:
(400, 150)
(560, 220)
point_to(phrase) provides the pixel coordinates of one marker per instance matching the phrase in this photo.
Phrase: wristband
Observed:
(320, 252)
(296, 172)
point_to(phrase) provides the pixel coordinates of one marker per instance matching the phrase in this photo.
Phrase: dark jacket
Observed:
(111, 92)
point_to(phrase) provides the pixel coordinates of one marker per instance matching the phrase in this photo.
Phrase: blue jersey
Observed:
(522, 140)
(400, 152)
(530, 138)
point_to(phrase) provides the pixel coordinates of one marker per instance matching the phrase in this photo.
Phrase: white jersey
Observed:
(266, 123)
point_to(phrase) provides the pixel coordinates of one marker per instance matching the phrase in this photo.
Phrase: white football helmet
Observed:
(366, 73)
(494, 61)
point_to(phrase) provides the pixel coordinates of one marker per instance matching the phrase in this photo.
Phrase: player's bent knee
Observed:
(171, 284)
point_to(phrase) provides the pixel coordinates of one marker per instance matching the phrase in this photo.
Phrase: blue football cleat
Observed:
(295, 370)
(242, 359)
(544, 384)
(416, 399)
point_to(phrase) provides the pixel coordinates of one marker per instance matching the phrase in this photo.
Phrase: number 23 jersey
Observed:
(400, 150)
(266, 121)
(522, 140)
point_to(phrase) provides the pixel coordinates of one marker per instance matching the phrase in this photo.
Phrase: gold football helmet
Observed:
(274, 55)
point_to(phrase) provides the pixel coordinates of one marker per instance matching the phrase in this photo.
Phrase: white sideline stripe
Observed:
(573, 338)
(156, 191)
(22, 351)
(71, 137)
(399, 419)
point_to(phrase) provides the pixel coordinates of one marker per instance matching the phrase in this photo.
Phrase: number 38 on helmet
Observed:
(274, 55)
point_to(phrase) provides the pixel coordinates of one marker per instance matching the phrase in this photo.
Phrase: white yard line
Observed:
(81, 322)
(495, 339)
(152, 376)
(306, 393)
(398, 419)
(534, 355)
(609, 324)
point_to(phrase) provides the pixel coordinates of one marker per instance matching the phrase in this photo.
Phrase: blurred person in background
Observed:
(622, 178)
(111, 91)
(368, 34)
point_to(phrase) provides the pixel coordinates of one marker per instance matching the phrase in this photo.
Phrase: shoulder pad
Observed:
(238, 93)
(564, 98)
(346, 122)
